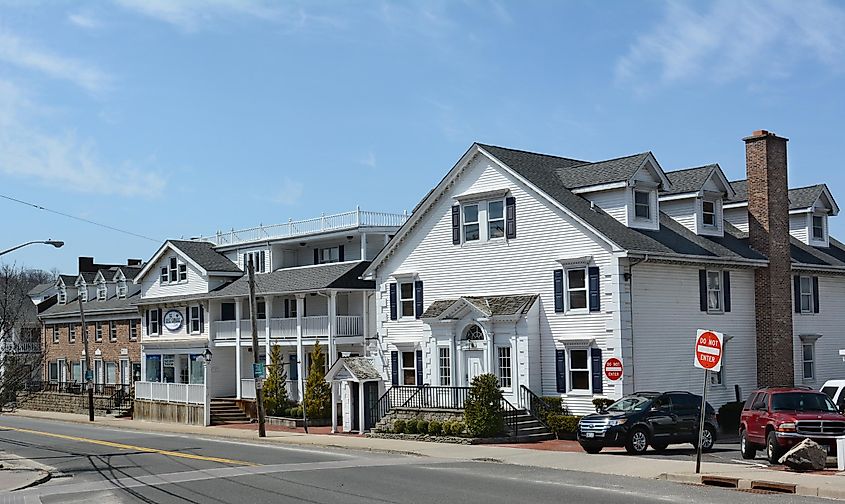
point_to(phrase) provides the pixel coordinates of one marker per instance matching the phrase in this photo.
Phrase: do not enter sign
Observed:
(613, 369)
(708, 350)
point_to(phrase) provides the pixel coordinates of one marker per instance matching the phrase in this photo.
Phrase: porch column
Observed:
(363, 246)
(361, 406)
(238, 347)
(453, 356)
(300, 352)
(334, 407)
(268, 311)
(365, 319)
(332, 299)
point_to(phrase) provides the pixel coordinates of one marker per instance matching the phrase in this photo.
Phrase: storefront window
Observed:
(154, 368)
(168, 364)
(196, 370)
(183, 368)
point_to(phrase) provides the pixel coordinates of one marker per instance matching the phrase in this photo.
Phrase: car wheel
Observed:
(745, 447)
(637, 442)
(773, 449)
(591, 449)
(708, 439)
(659, 447)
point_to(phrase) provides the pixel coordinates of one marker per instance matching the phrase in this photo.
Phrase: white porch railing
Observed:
(186, 393)
(347, 220)
(285, 328)
(247, 388)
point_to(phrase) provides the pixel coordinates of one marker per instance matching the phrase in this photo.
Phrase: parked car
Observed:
(645, 419)
(835, 389)
(775, 419)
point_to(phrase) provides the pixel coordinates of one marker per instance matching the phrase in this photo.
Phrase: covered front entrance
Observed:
(360, 386)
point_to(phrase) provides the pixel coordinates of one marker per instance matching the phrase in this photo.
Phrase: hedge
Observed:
(563, 426)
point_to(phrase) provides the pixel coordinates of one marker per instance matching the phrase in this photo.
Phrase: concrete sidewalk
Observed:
(822, 485)
(17, 473)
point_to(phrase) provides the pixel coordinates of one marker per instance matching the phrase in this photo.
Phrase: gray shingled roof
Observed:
(689, 179)
(490, 305)
(602, 172)
(203, 253)
(799, 197)
(360, 367)
(345, 275)
(38, 289)
(69, 280)
(93, 306)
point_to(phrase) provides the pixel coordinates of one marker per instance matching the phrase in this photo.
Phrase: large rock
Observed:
(805, 456)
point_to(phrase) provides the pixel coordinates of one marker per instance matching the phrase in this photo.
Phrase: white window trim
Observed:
(133, 327)
(98, 331)
(503, 219)
(121, 289)
(720, 275)
(808, 340)
(412, 299)
(330, 260)
(102, 292)
(193, 319)
(569, 369)
(180, 269)
(802, 294)
(62, 296)
(714, 213)
(586, 289)
(112, 330)
(152, 313)
(812, 361)
(465, 223)
(441, 368)
(499, 366)
(811, 233)
(402, 367)
(71, 332)
(483, 220)
(83, 293)
(634, 204)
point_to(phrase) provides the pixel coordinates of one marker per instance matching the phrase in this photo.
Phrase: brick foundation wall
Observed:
(62, 403)
(768, 231)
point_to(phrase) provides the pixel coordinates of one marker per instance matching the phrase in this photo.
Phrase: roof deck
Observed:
(292, 229)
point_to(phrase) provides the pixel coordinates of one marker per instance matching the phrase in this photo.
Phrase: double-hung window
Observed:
(133, 330)
(71, 333)
(406, 299)
(708, 213)
(495, 219)
(818, 227)
(55, 333)
(409, 369)
(503, 355)
(102, 292)
(808, 352)
(98, 334)
(445, 363)
(642, 205)
(112, 330)
(152, 327)
(196, 327)
(714, 292)
(576, 289)
(471, 227)
(806, 285)
(579, 370)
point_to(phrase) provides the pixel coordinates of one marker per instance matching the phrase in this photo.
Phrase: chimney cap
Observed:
(761, 133)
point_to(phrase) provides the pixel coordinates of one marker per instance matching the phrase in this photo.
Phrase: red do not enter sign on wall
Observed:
(708, 350)
(613, 369)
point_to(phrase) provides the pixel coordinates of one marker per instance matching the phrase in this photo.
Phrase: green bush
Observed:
(483, 407)
(729, 414)
(318, 392)
(435, 428)
(399, 426)
(458, 428)
(411, 427)
(556, 405)
(601, 403)
(296, 412)
(447, 428)
(422, 426)
(563, 426)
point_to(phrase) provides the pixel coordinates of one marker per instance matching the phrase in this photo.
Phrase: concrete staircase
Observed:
(226, 411)
(529, 430)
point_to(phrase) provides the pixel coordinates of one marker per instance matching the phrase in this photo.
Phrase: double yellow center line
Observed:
(122, 446)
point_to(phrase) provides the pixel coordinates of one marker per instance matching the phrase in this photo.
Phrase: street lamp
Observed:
(206, 360)
(55, 243)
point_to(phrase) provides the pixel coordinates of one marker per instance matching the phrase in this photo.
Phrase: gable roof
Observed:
(361, 369)
(94, 306)
(41, 288)
(692, 180)
(201, 253)
(491, 306)
(799, 197)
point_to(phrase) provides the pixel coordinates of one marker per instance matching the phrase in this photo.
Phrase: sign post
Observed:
(708, 356)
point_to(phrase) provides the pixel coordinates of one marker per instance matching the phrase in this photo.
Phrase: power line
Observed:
(39, 207)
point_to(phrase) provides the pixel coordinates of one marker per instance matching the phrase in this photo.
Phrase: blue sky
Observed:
(175, 119)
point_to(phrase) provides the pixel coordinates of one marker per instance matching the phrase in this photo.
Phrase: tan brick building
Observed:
(113, 326)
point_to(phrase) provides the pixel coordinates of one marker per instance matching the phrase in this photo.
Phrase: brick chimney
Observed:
(134, 262)
(768, 233)
(86, 264)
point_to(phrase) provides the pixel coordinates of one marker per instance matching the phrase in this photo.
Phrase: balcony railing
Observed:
(285, 328)
(185, 393)
(347, 220)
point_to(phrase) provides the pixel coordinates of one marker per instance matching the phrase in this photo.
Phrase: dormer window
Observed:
(62, 295)
(471, 229)
(102, 292)
(818, 227)
(708, 210)
(175, 272)
(121, 288)
(642, 205)
(83, 293)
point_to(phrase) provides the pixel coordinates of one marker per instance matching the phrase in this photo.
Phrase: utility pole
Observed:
(88, 384)
(259, 393)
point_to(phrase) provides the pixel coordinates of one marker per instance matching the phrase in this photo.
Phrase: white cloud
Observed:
(290, 193)
(735, 39)
(191, 15)
(84, 20)
(25, 54)
(62, 160)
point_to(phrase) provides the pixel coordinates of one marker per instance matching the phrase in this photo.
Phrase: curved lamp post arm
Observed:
(55, 243)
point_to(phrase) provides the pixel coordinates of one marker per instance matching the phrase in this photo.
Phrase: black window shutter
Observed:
(188, 317)
(726, 289)
(456, 225)
(147, 321)
(202, 318)
(394, 368)
(160, 327)
(815, 294)
(294, 368)
(559, 291)
(560, 370)
(340, 254)
(598, 385)
(796, 284)
(595, 288)
(316, 256)
(287, 308)
(419, 368)
(702, 290)
(393, 310)
(418, 298)
(510, 218)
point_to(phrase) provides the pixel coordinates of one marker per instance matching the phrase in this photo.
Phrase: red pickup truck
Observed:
(775, 419)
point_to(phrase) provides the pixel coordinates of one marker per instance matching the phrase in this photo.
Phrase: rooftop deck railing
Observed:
(325, 223)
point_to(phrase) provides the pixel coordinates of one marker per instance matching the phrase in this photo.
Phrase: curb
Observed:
(747, 484)
(43, 478)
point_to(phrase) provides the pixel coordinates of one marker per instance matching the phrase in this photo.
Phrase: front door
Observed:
(474, 364)
(353, 400)
(370, 400)
(124, 372)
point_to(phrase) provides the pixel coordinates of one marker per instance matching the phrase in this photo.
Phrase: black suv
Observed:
(648, 418)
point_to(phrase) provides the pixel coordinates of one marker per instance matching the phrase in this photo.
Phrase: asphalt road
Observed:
(103, 466)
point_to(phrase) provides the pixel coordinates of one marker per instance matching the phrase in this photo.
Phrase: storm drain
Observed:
(773, 486)
(720, 481)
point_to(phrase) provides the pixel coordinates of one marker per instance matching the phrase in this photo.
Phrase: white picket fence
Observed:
(183, 393)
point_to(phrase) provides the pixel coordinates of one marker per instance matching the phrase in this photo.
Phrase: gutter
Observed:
(698, 259)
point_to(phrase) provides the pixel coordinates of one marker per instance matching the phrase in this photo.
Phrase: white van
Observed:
(835, 389)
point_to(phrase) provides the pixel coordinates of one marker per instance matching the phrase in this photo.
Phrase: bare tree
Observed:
(20, 330)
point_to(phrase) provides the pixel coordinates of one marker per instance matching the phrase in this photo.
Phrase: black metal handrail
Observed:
(74, 387)
(414, 397)
(510, 416)
(535, 405)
